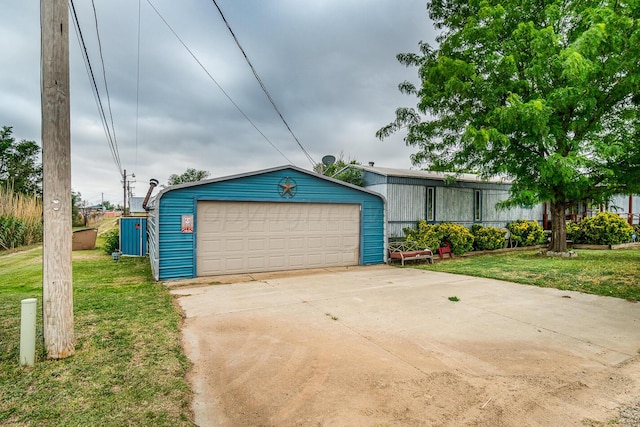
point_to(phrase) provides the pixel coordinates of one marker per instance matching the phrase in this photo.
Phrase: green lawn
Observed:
(128, 369)
(610, 273)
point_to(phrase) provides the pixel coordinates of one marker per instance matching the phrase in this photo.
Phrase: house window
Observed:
(431, 204)
(477, 206)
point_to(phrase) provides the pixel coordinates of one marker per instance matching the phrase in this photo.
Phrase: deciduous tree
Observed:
(339, 170)
(543, 92)
(190, 175)
(20, 167)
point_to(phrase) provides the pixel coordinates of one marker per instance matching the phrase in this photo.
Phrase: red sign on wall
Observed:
(187, 223)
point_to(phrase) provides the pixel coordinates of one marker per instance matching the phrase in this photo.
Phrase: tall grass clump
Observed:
(20, 219)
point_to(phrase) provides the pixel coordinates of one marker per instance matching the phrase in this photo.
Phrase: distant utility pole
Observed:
(57, 286)
(124, 193)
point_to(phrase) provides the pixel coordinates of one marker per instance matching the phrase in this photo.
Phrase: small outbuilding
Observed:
(284, 218)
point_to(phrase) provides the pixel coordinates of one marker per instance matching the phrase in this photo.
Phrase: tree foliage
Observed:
(77, 205)
(340, 170)
(190, 175)
(107, 205)
(543, 92)
(20, 167)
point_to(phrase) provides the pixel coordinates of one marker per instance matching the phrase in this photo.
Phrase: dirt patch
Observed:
(324, 360)
(259, 371)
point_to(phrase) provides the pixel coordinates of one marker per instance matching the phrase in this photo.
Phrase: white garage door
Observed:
(242, 237)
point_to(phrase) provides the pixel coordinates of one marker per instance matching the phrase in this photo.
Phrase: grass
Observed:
(331, 316)
(609, 273)
(129, 367)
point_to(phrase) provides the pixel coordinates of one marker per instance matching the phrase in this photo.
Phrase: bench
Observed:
(408, 251)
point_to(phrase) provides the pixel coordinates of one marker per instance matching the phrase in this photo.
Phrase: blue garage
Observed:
(284, 218)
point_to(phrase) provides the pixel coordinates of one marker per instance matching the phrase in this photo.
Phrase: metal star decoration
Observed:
(287, 186)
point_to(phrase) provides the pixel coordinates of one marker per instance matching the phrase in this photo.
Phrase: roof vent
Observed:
(152, 184)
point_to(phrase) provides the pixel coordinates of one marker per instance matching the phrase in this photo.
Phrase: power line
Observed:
(96, 93)
(216, 83)
(138, 78)
(262, 85)
(104, 76)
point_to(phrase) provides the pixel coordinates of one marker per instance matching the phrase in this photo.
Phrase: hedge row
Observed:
(479, 238)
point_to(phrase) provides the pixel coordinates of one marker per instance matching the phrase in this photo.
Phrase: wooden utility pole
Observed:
(57, 286)
(124, 193)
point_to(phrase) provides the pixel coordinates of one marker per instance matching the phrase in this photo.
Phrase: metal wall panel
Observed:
(454, 205)
(133, 236)
(454, 202)
(405, 206)
(152, 240)
(501, 217)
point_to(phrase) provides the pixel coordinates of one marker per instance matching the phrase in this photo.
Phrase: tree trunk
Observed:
(558, 228)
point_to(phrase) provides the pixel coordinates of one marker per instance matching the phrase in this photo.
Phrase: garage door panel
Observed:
(296, 261)
(256, 262)
(234, 245)
(297, 226)
(233, 264)
(296, 243)
(316, 261)
(233, 226)
(276, 262)
(277, 226)
(255, 244)
(332, 258)
(333, 242)
(351, 241)
(315, 226)
(212, 264)
(277, 244)
(315, 243)
(256, 226)
(349, 258)
(237, 237)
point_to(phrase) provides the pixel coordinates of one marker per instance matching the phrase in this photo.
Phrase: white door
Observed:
(243, 237)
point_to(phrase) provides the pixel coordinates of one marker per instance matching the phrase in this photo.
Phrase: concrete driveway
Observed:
(386, 346)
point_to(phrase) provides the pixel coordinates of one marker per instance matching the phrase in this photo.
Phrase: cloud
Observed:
(329, 65)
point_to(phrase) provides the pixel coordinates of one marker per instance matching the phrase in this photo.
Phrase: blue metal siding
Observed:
(372, 232)
(152, 238)
(133, 236)
(177, 251)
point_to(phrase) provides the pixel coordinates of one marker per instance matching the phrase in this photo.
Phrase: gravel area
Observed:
(630, 416)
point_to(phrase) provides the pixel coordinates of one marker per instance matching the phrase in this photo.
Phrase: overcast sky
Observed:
(329, 65)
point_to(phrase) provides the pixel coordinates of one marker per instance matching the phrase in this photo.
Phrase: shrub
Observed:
(111, 241)
(424, 235)
(458, 236)
(606, 228)
(575, 233)
(12, 231)
(20, 219)
(526, 233)
(488, 238)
